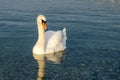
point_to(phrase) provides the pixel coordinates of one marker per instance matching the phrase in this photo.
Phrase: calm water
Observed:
(93, 45)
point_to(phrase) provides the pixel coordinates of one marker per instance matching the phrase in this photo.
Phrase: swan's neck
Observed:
(41, 38)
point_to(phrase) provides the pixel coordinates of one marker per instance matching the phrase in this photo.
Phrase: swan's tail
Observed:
(64, 38)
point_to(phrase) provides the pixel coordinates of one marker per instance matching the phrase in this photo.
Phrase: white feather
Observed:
(55, 41)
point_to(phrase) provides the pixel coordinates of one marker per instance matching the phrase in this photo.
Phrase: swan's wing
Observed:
(56, 41)
(49, 34)
(64, 38)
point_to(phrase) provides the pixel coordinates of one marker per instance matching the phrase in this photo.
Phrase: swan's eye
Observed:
(43, 21)
(44, 24)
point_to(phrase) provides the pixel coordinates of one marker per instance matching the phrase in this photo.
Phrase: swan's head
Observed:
(41, 19)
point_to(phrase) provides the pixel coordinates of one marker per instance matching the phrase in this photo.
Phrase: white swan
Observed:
(49, 41)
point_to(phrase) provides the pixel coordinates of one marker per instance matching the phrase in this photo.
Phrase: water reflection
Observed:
(108, 1)
(56, 58)
(41, 65)
(115, 0)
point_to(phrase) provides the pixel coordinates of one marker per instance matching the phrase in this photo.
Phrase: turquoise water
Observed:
(93, 45)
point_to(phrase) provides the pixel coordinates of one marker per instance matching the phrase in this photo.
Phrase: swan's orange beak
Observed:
(44, 25)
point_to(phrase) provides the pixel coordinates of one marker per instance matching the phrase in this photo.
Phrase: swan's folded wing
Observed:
(55, 42)
(49, 34)
(64, 38)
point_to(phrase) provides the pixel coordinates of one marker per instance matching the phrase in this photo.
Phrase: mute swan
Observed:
(49, 41)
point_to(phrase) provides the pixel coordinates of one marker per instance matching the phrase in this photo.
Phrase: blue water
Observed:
(93, 45)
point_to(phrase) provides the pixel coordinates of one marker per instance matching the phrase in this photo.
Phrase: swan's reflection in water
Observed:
(41, 65)
(57, 58)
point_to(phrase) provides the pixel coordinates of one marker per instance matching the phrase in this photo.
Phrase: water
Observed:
(93, 45)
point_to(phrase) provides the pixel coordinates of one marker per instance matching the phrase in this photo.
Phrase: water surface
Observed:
(93, 45)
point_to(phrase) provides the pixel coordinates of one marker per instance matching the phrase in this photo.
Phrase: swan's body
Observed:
(49, 41)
